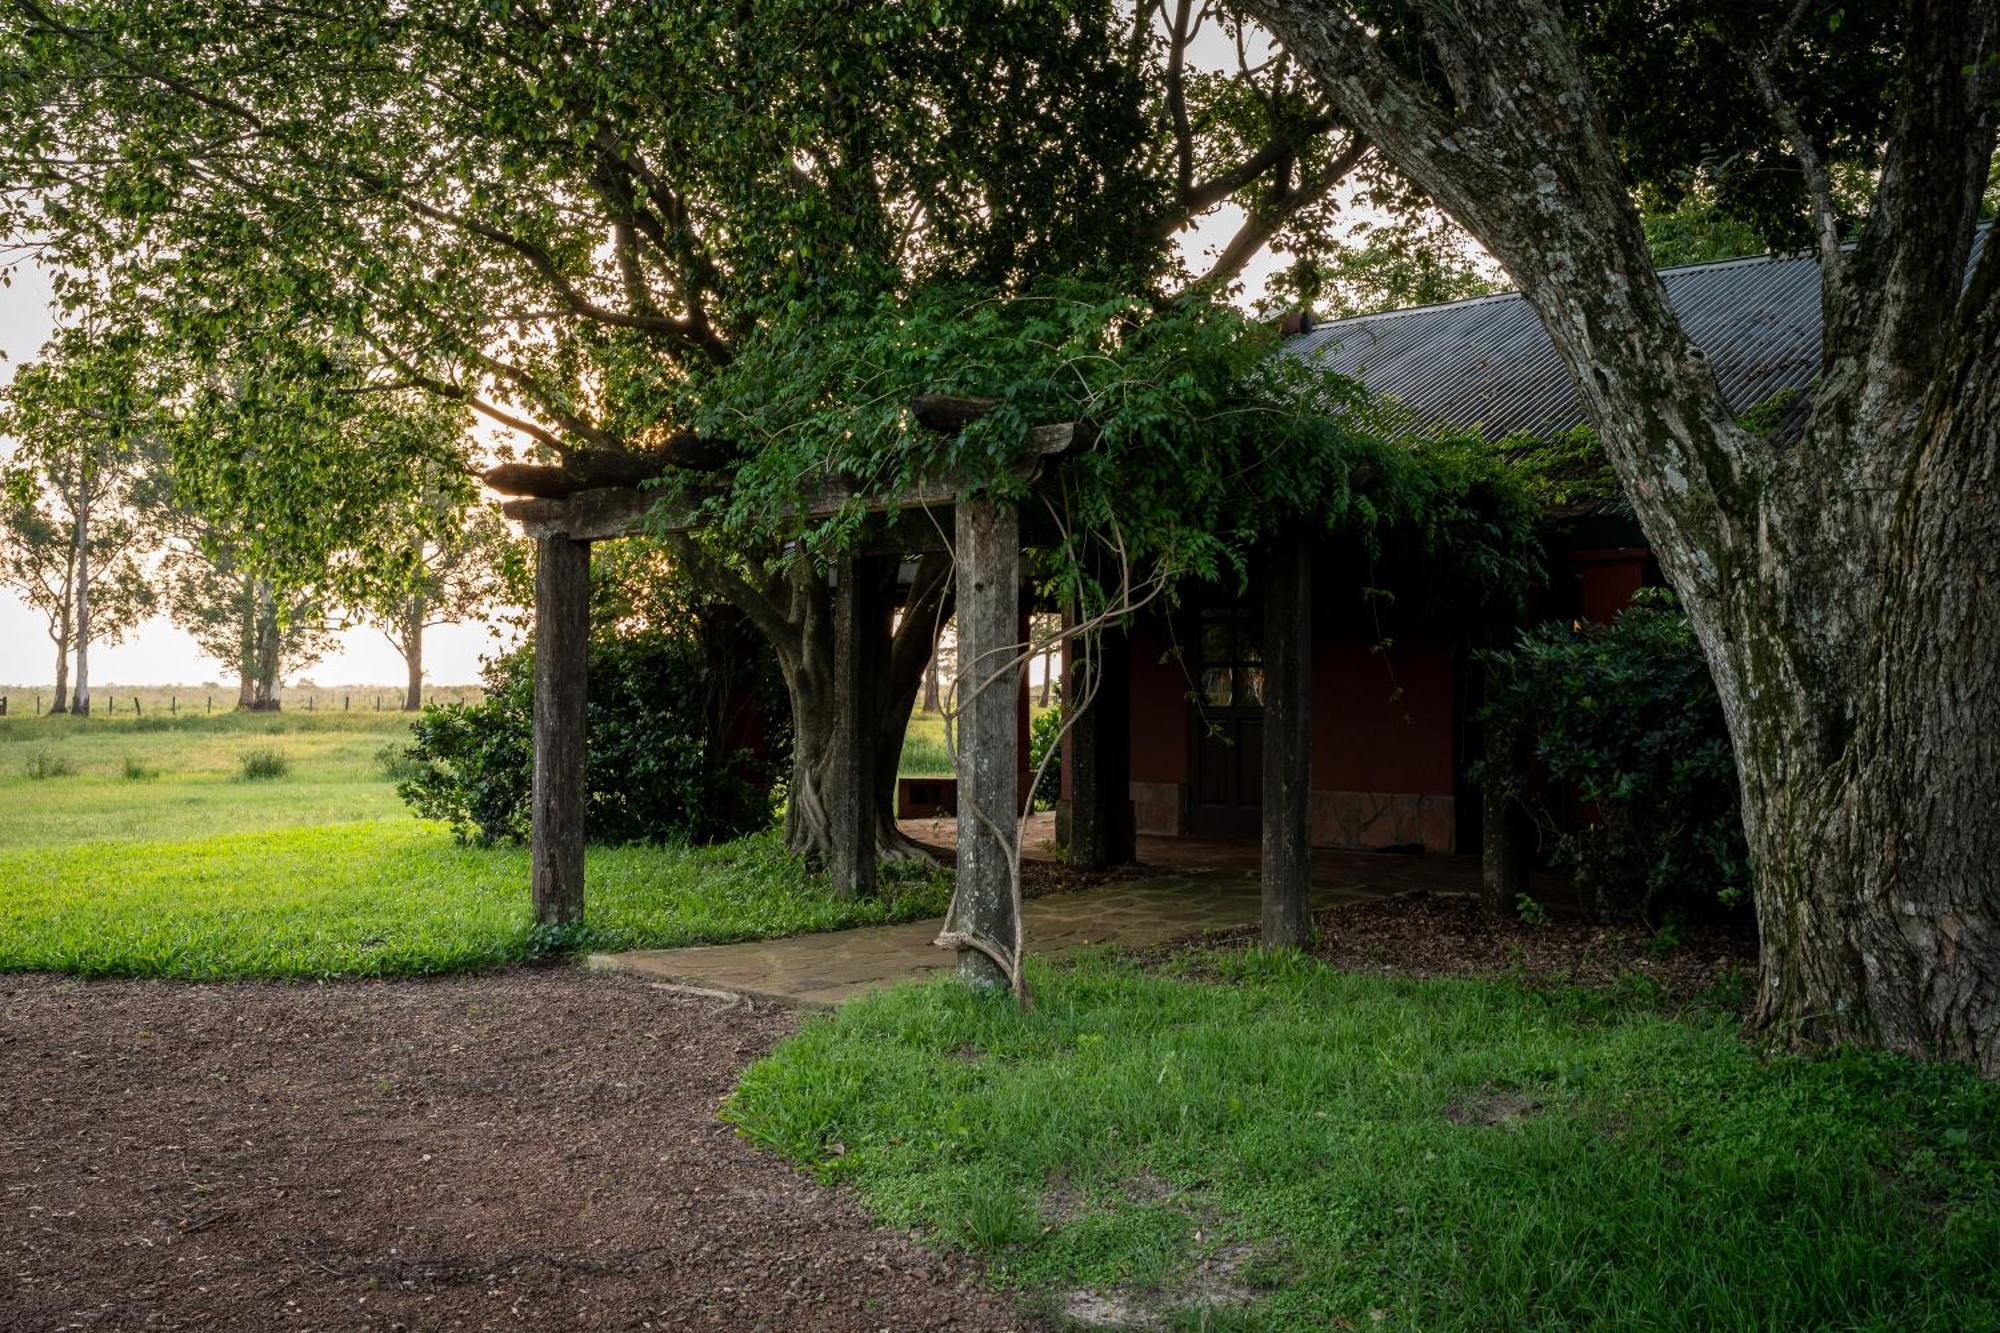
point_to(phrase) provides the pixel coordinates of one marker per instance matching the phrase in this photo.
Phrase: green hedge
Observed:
(660, 767)
(1624, 718)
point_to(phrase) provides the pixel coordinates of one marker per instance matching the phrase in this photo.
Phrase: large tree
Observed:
(572, 219)
(457, 577)
(241, 618)
(77, 522)
(1845, 585)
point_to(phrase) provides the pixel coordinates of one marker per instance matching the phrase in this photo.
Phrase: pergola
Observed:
(985, 541)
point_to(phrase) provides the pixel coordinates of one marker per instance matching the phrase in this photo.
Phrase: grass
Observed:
(924, 751)
(1305, 1149)
(264, 764)
(45, 764)
(196, 873)
(925, 754)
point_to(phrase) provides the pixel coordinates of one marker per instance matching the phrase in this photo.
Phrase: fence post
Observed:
(136, 710)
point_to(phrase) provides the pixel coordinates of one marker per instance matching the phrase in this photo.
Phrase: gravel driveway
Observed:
(535, 1149)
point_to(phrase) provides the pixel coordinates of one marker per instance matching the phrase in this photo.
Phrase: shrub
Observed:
(264, 764)
(1625, 723)
(1044, 733)
(664, 739)
(139, 772)
(48, 764)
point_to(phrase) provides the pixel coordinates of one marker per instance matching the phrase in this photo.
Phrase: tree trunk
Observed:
(1843, 586)
(413, 654)
(246, 647)
(80, 702)
(807, 662)
(62, 637)
(1872, 796)
(933, 696)
(264, 652)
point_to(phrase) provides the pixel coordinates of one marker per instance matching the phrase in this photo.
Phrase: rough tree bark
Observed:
(413, 653)
(1845, 587)
(794, 611)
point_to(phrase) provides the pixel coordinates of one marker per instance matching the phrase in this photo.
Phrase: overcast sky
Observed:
(159, 653)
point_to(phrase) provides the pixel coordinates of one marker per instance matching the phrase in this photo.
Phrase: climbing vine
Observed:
(1193, 440)
(1199, 439)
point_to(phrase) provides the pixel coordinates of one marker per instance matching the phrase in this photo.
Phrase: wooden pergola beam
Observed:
(608, 512)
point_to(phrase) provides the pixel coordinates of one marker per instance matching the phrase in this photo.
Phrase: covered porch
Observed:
(1267, 876)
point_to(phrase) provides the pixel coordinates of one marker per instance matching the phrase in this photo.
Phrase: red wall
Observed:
(1608, 577)
(1364, 737)
(1367, 736)
(1159, 706)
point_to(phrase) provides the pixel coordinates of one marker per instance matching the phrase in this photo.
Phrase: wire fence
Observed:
(111, 701)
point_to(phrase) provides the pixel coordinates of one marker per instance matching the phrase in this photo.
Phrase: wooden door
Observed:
(1227, 729)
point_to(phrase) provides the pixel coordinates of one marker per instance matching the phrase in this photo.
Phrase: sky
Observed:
(160, 653)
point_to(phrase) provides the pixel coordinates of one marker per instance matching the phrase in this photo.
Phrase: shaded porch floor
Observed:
(1182, 886)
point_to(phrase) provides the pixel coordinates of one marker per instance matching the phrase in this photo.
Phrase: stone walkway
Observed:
(1205, 887)
(824, 969)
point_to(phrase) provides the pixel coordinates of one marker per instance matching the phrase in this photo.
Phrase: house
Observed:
(1393, 728)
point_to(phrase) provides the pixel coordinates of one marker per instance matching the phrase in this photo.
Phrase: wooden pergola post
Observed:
(1287, 855)
(989, 797)
(1100, 750)
(854, 637)
(562, 636)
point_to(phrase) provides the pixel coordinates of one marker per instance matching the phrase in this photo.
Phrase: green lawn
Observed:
(191, 870)
(1303, 1149)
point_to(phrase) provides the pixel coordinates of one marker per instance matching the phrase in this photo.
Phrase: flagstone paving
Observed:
(1192, 888)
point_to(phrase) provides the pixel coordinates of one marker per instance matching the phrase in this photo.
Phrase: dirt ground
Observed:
(1437, 935)
(535, 1149)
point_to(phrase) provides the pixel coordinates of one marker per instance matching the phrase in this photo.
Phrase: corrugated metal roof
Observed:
(1488, 363)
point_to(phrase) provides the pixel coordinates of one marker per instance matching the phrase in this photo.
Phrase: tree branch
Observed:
(726, 583)
(1819, 191)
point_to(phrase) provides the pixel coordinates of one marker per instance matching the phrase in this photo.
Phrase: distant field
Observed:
(139, 846)
(216, 700)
